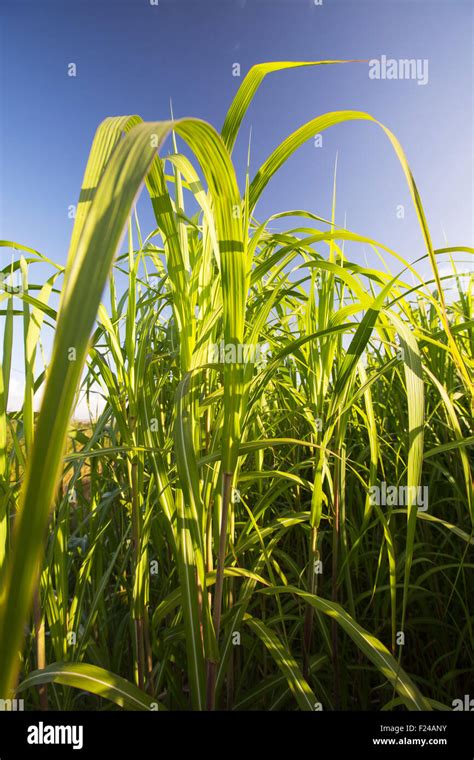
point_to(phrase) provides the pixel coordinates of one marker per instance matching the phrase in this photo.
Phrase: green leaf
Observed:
(95, 680)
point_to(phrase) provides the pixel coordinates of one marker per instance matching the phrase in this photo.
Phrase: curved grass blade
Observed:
(368, 644)
(95, 680)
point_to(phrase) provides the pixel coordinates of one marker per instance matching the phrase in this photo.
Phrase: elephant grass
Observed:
(208, 541)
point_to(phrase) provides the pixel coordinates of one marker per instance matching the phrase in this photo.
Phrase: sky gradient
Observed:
(133, 57)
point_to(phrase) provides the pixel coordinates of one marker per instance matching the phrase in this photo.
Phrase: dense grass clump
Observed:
(274, 508)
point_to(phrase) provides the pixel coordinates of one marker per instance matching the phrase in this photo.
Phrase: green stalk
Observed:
(227, 479)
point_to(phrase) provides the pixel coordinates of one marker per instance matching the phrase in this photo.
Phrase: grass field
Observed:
(274, 509)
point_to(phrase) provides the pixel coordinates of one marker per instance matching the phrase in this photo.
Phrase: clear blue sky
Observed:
(132, 57)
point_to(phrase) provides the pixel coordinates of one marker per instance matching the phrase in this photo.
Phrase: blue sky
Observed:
(132, 57)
